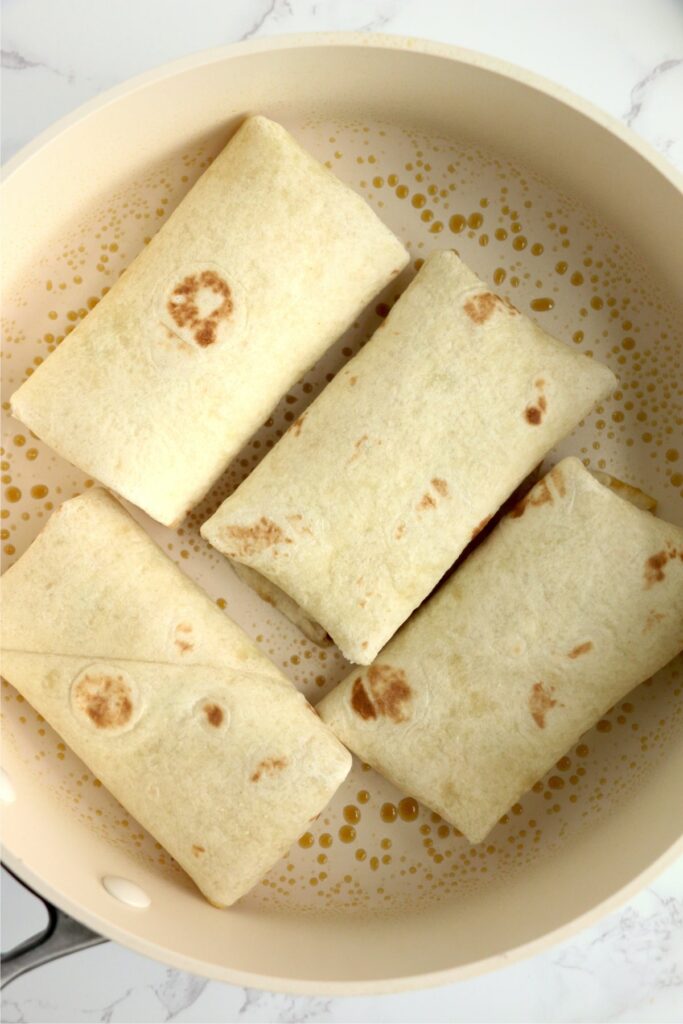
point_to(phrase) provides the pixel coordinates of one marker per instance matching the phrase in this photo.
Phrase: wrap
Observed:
(574, 599)
(374, 492)
(266, 261)
(165, 699)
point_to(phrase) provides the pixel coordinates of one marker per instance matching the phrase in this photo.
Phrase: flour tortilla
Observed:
(165, 699)
(264, 264)
(272, 595)
(574, 599)
(374, 492)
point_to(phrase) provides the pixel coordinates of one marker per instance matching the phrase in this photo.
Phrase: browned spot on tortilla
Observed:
(298, 424)
(399, 531)
(214, 714)
(580, 649)
(364, 644)
(426, 501)
(480, 526)
(540, 702)
(105, 699)
(440, 486)
(250, 540)
(480, 307)
(352, 380)
(358, 445)
(197, 850)
(183, 307)
(540, 383)
(652, 619)
(557, 477)
(654, 567)
(539, 495)
(297, 519)
(390, 691)
(362, 603)
(360, 702)
(534, 413)
(270, 765)
(181, 644)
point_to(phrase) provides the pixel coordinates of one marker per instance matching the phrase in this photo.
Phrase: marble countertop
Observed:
(627, 57)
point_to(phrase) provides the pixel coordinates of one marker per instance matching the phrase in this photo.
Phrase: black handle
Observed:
(63, 935)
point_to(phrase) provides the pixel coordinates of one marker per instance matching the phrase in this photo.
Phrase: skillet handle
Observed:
(63, 935)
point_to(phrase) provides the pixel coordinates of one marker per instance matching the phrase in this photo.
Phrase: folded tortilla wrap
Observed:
(165, 699)
(263, 265)
(574, 599)
(374, 492)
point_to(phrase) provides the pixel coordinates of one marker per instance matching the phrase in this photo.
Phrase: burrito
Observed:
(377, 488)
(574, 598)
(165, 699)
(266, 261)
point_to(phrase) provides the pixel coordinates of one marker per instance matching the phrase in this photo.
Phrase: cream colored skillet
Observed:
(574, 220)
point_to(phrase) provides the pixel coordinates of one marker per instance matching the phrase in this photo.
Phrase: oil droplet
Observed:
(378, 181)
(519, 243)
(31, 454)
(418, 200)
(475, 220)
(39, 491)
(483, 240)
(426, 216)
(347, 833)
(604, 725)
(457, 223)
(596, 302)
(388, 812)
(542, 305)
(408, 808)
(582, 750)
(325, 840)
(352, 814)
(576, 279)
(393, 179)
(536, 249)
(19, 440)
(362, 796)
(436, 227)
(402, 191)
(577, 336)
(672, 455)
(499, 275)
(501, 234)
(628, 344)
(374, 863)
(306, 840)
(13, 494)
(386, 844)
(361, 854)
(562, 267)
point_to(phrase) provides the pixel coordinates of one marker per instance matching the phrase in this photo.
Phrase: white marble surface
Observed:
(627, 57)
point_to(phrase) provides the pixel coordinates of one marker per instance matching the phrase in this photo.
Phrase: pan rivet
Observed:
(126, 892)
(7, 794)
